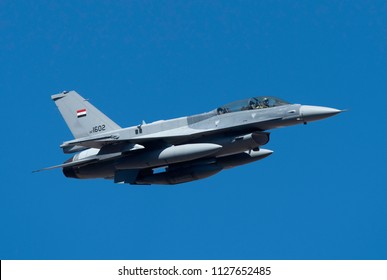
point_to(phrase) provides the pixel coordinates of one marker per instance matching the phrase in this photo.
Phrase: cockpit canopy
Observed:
(253, 103)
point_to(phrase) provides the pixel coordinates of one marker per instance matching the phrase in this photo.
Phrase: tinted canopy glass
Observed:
(253, 103)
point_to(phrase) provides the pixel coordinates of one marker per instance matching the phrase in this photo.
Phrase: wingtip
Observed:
(38, 170)
(60, 95)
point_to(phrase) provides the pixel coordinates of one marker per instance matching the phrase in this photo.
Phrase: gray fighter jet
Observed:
(178, 150)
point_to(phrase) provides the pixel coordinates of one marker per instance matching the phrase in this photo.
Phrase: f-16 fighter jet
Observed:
(178, 150)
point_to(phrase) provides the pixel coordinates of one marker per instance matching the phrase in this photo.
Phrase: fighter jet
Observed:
(174, 151)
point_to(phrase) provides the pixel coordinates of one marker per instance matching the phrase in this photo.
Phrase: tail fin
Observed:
(82, 117)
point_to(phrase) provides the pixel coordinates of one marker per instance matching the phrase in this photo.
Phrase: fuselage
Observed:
(193, 147)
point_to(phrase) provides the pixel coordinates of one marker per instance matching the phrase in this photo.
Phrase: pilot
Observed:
(252, 105)
(221, 111)
(265, 102)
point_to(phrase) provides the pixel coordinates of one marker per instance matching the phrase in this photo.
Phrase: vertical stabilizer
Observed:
(81, 116)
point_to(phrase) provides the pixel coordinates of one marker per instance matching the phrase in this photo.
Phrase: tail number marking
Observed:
(97, 128)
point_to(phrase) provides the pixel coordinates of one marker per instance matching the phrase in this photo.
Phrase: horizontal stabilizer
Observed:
(69, 164)
(84, 161)
(89, 142)
(104, 143)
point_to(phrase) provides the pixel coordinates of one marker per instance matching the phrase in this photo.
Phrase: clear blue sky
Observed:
(321, 195)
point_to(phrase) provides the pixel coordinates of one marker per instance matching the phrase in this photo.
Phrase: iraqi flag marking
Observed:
(81, 113)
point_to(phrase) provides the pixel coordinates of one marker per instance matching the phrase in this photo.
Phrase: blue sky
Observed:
(321, 195)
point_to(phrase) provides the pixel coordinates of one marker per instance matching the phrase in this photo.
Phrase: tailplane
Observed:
(82, 118)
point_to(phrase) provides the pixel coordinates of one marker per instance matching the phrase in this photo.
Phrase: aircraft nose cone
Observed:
(314, 113)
